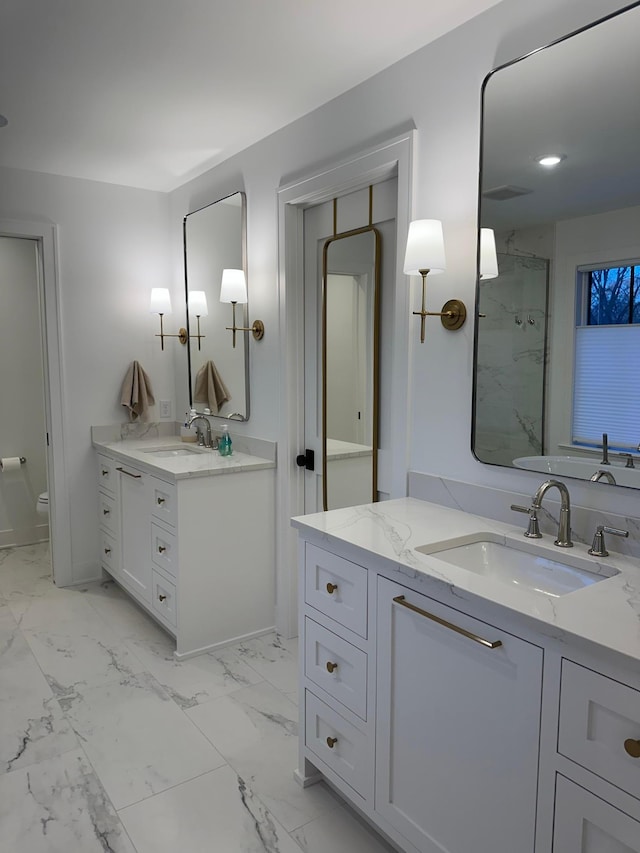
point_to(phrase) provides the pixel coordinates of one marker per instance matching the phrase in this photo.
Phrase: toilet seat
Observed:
(42, 505)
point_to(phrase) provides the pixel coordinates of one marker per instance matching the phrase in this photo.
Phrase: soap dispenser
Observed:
(224, 442)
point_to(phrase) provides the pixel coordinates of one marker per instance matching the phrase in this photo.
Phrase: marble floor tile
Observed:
(32, 726)
(137, 739)
(215, 813)
(58, 806)
(122, 613)
(341, 832)
(85, 655)
(255, 729)
(274, 658)
(195, 680)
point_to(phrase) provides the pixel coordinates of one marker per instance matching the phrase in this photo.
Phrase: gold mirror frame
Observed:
(376, 357)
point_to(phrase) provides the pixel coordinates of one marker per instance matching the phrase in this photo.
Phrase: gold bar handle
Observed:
(400, 599)
(135, 476)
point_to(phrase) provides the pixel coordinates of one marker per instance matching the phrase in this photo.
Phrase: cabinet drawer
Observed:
(164, 551)
(337, 588)
(107, 477)
(341, 746)
(586, 824)
(107, 514)
(163, 501)
(109, 556)
(597, 716)
(338, 667)
(163, 598)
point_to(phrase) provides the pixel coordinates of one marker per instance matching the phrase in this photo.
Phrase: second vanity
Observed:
(461, 712)
(173, 533)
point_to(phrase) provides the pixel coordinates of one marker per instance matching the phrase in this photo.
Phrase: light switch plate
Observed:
(165, 408)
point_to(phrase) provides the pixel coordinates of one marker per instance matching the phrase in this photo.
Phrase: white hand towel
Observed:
(210, 388)
(137, 393)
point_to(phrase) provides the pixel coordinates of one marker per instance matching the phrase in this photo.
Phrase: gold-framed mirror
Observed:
(215, 241)
(350, 367)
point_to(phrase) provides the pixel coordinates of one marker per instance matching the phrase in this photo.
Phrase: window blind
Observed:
(606, 394)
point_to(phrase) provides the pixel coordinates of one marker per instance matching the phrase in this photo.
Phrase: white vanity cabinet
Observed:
(198, 553)
(458, 727)
(455, 728)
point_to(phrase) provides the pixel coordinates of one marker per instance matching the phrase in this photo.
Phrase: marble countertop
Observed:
(201, 463)
(606, 613)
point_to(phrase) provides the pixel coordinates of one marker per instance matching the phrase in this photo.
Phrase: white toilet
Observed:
(42, 506)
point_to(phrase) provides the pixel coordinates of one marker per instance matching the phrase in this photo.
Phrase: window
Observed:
(606, 395)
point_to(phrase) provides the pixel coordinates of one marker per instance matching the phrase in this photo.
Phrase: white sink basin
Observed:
(165, 452)
(523, 565)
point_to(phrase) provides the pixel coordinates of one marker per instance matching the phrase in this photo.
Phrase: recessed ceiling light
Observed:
(4, 121)
(551, 159)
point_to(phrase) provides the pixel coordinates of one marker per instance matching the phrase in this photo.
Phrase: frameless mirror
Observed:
(558, 330)
(215, 240)
(350, 324)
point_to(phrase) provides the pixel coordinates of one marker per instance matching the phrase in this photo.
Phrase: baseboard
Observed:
(216, 646)
(29, 536)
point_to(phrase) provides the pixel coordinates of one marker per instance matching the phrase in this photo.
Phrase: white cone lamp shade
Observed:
(488, 256)
(234, 287)
(198, 303)
(425, 247)
(160, 301)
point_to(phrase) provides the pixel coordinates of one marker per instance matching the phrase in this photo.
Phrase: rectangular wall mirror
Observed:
(558, 329)
(215, 240)
(350, 336)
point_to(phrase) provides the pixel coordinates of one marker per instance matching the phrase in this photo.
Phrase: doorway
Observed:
(40, 239)
(393, 158)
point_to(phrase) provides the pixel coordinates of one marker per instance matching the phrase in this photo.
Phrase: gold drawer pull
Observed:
(331, 666)
(161, 549)
(107, 550)
(162, 597)
(129, 474)
(632, 747)
(159, 501)
(106, 511)
(331, 588)
(331, 742)
(400, 599)
(105, 472)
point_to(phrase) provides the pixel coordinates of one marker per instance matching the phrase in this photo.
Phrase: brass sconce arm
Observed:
(182, 335)
(257, 329)
(452, 316)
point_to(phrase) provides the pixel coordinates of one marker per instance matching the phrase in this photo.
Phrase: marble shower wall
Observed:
(509, 406)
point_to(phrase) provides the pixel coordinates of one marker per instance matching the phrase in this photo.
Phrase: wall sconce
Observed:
(198, 306)
(234, 290)
(488, 255)
(161, 304)
(424, 255)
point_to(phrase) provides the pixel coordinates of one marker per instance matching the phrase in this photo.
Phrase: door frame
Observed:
(395, 156)
(45, 235)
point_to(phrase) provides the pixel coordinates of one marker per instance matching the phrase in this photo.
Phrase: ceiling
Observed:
(151, 93)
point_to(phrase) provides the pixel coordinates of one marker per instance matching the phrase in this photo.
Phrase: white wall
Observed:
(112, 249)
(22, 421)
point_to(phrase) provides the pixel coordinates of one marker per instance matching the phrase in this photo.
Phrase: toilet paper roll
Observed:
(10, 463)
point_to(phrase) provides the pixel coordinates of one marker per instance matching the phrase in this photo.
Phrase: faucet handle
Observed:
(598, 548)
(533, 530)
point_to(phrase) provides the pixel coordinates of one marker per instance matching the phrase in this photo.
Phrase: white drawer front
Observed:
(164, 501)
(586, 824)
(339, 744)
(107, 513)
(109, 556)
(163, 598)
(337, 667)
(164, 551)
(598, 716)
(337, 588)
(107, 477)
